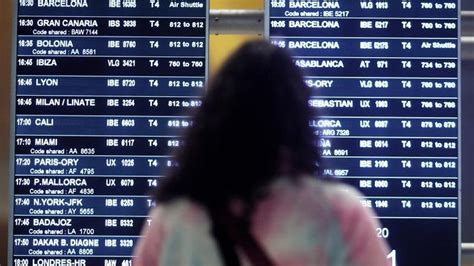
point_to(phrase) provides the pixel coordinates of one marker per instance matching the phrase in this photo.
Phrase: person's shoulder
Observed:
(336, 190)
(313, 196)
(177, 231)
(164, 221)
(357, 225)
(332, 189)
(339, 197)
(180, 211)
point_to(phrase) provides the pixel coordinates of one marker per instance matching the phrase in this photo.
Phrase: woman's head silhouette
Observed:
(252, 127)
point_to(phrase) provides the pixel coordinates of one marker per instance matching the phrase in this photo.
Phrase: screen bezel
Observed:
(11, 176)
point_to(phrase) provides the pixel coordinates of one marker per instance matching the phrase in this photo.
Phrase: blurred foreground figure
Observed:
(245, 191)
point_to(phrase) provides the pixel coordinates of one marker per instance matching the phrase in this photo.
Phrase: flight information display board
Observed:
(103, 90)
(385, 77)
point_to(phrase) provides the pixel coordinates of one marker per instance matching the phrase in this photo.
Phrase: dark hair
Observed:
(254, 115)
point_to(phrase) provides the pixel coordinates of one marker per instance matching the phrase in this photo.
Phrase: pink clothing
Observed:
(305, 223)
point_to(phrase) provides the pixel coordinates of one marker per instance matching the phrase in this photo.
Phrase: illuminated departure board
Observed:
(385, 78)
(103, 91)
